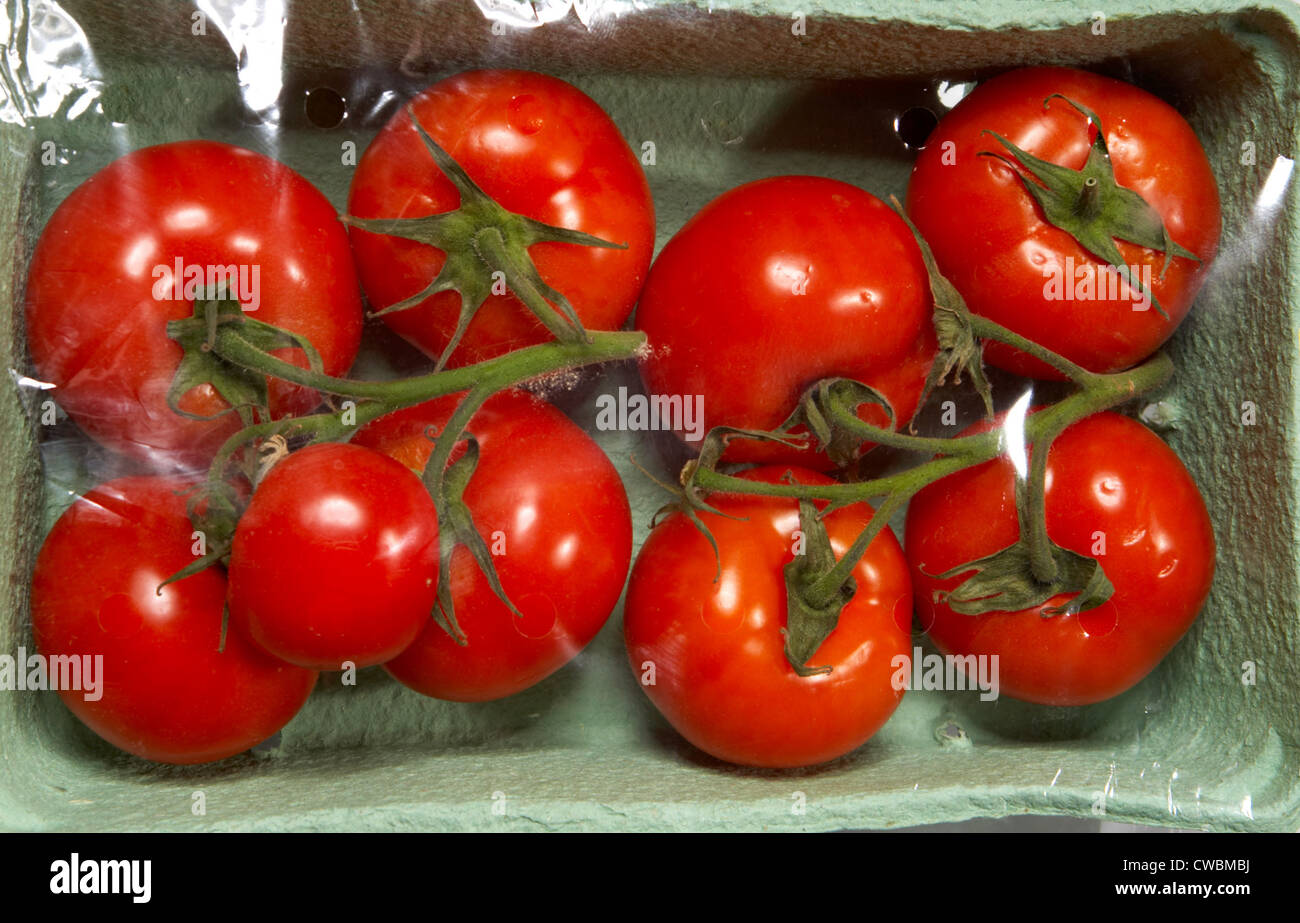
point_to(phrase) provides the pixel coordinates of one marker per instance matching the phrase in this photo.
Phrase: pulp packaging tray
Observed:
(727, 93)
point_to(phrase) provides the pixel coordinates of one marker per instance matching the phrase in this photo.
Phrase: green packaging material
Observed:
(727, 92)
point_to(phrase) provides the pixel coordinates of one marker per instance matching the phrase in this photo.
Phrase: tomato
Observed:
(992, 241)
(710, 655)
(104, 273)
(1112, 486)
(336, 558)
(168, 694)
(775, 285)
(539, 147)
(552, 511)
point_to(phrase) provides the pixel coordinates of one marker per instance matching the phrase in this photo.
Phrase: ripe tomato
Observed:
(1112, 485)
(711, 654)
(99, 293)
(991, 240)
(168, 694)
(336, 558)
(778, 284)
(552, 510)
(539, 147)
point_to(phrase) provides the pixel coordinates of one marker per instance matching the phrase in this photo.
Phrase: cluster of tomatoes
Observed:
(342, 558)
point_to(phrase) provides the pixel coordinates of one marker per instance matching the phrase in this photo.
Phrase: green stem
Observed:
(1098, 392)
(713, 481)
(988, 330)
(1089, 202)
(446, 441)
(1102, 393)
(382, 397)
(846, 419)
(496, 254)
(503, 371)
(1031, 509)
(827, 587)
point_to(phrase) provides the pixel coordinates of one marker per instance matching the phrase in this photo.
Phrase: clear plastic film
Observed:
(116, 227)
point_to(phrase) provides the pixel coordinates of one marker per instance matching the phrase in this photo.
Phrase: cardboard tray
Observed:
(728, 93)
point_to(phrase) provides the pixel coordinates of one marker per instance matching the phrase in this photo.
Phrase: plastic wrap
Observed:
(707, 98)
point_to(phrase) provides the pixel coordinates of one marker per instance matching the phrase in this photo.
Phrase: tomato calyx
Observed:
(446, 481)
(809, 619)
(821, 412)
(244, 390)
(689, 496)
(1033, 569)
(1002, 582)
(960, 349)
(1089, 204)
(456, 527)
(484, 245)
(825, 419)
(818, 585)
(214, 508)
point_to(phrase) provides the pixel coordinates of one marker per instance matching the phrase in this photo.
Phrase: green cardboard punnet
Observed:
(727, 92)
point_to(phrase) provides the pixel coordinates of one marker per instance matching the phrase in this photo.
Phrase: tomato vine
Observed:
(224, 346)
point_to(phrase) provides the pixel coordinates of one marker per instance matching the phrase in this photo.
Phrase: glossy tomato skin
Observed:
(775, 285)
(716, 649)
(551, 507)
(1107, 476)
(991, 241)
(97, 331)
(168, 693)
(336, 558)
(539, 147)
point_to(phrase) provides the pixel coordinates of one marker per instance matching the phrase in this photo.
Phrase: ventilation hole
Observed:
(325, 108)
(913, 127)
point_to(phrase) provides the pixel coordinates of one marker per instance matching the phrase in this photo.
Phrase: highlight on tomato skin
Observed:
(775, 285)
(165, 688)
(132, 247)
(710, 655)
(554, 515)
(1113, 487)
(335, 561)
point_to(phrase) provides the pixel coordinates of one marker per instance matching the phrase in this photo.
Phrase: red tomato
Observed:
(99, 293)
(168, 694)
(992, 242)
(336, 558)
(1111, 480)
(778, 284)
(711, 654)
(539, 147)
(552, 510)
